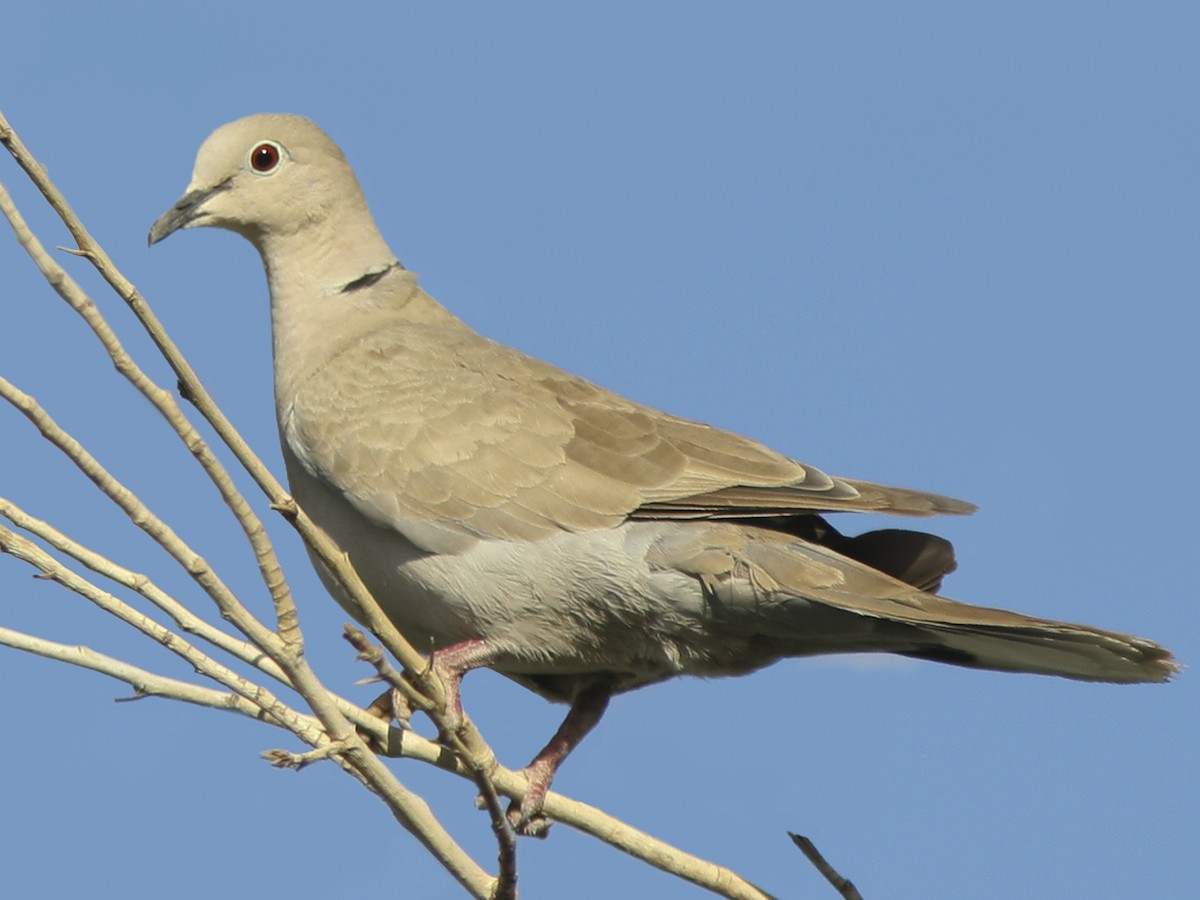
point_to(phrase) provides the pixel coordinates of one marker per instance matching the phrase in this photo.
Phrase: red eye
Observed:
(264, 157)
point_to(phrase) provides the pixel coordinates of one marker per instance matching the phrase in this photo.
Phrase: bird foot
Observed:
(390, 706)
(526, 817)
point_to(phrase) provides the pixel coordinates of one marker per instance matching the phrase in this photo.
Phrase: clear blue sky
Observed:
(916, 243)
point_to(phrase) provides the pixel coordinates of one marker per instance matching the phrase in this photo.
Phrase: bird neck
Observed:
(342, 291)
(321, 257)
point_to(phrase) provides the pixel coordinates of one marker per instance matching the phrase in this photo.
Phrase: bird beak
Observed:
(185, 213)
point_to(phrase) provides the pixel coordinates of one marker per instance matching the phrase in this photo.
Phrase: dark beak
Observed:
(186, 211)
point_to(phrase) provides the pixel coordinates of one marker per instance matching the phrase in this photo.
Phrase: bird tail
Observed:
(809, 599)
(1038, 646)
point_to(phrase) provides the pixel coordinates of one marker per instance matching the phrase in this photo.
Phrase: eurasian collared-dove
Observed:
(508, 514)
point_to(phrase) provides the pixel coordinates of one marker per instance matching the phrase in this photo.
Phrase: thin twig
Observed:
(140, 515)
(164, 402)
(187, 620)
(285, 759)
(270, 706)
(409, 809)
(842, 885)
(145, 683)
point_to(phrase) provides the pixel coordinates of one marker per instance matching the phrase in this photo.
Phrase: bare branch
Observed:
(162, 400)
(269, 705)
(842, 885)
(140, 515)
(146, 684)
(285, 759)
(186, 619)
(408, 808)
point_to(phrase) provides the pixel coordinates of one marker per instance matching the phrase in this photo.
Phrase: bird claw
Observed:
(390, 706)
(526, 817)
(528, 824)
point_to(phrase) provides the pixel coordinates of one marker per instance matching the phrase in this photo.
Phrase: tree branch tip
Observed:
(286, 508)
(367, 652)
(138, 694)
(286, 759)
(842, 885)
(370, 679)
(75, 251)
(283, 759)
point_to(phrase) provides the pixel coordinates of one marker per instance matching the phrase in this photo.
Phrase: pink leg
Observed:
(586, 710)
(451, 665)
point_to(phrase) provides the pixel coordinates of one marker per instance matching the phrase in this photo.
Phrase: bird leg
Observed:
(587, 707)
(586, 710)
(450, 665)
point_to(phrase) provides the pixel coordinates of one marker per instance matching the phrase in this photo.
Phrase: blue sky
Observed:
(918, 243)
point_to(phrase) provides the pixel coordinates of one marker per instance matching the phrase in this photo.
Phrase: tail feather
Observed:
(1049, 648)
(810, 599)
(913, 557)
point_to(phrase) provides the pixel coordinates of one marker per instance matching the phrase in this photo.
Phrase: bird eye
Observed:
(265, 157)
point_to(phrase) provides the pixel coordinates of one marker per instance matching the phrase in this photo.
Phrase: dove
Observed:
(510, 515)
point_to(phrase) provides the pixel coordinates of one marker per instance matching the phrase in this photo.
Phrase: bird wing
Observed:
(422, 424)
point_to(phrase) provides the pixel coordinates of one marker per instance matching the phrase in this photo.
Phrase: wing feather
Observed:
(434, 424)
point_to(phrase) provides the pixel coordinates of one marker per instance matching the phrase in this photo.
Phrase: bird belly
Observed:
(572, 604)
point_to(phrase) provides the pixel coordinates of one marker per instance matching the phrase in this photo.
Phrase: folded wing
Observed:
(435, 424)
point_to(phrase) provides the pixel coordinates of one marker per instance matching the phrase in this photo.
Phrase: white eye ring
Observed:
(265, 157)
